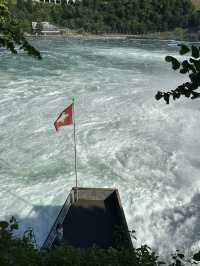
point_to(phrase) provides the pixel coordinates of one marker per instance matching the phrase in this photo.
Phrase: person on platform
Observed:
(59, 231)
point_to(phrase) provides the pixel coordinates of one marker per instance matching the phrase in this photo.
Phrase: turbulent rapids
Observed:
(125, 138)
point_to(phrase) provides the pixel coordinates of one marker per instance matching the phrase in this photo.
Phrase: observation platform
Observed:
(91, 216)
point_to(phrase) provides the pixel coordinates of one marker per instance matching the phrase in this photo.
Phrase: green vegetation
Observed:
(11, 33)
(100, 16)
(191, 67)
(21, 252)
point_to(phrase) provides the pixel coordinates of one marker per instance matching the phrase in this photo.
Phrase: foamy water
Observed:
(125, 138)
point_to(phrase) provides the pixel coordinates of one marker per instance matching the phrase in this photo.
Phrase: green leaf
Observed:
(187, 93)
(185, 64)
(175, 63)
(4, 225)
(184, 49)
(183, 71)
(197, 256)
(168, 58)
(196, 62)
(161, 263)
(176, 95)
(181, 256)
(159, 95)
(166, 97)
(13, 219)
(195, 52)
(195, 95)
(14, 227)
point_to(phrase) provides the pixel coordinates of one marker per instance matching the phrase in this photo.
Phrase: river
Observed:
(125, 138)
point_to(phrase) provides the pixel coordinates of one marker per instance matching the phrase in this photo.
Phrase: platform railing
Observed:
(60, 219)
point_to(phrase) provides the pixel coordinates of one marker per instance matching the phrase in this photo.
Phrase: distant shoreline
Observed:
(86, 36)
(163, 36)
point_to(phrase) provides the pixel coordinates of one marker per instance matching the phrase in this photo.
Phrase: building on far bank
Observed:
(45, 28)
(48, 1)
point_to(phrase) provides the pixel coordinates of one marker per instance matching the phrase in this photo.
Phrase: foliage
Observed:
(21, 252)
(15, 251)
(191, 67)
(122, 16)
(12, 35)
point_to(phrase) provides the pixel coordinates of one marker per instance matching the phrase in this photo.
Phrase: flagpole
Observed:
(75, 158)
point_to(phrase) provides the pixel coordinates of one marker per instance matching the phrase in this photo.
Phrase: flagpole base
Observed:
(76, 194)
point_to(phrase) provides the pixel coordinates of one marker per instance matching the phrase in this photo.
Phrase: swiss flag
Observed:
(65, 118)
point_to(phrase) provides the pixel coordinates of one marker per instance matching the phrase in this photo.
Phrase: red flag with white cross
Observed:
(65, 118)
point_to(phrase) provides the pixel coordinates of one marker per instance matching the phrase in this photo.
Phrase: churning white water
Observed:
(125, 138)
